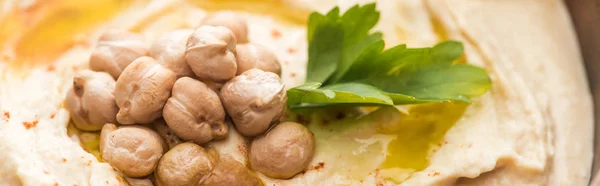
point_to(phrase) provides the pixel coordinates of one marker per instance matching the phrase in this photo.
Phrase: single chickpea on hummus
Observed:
(308, 92)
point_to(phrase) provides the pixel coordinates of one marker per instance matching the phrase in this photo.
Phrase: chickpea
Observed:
(251, 56)
(142, 91)
(254, 100)
(91, 101)
(169, 51)
(228, 171)
(210, 53)
(134, 150)
(194, 112)
(187, 164)
(283, 152)
(115, 50)
(236, 23)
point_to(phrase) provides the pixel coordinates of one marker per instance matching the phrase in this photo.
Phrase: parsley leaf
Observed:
(336, 41)
(313, 95)
(348, 66)
(456, 82)
(427, 74)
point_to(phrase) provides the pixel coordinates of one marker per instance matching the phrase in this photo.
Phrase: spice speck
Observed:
(51, 68)
(29, 125)
(291, 50)
(6, 115)
(319, 165)
(275, 33)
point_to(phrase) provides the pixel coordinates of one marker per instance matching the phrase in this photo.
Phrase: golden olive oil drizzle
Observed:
(275, 9)
(415, 134)
(43, 32)
(90, 141)
(419, 133)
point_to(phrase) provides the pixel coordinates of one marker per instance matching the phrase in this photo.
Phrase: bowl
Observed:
(586, 20)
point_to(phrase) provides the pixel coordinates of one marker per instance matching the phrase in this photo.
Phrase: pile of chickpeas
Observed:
(158, 106)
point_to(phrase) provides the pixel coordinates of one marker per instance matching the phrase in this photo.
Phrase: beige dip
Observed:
(533, 128)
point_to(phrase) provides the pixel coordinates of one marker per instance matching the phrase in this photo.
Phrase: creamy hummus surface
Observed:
(535, 126)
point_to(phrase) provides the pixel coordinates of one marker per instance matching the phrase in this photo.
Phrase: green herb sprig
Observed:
(347, 65)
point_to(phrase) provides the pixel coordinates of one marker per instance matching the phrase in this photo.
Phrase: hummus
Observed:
(535, 126)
